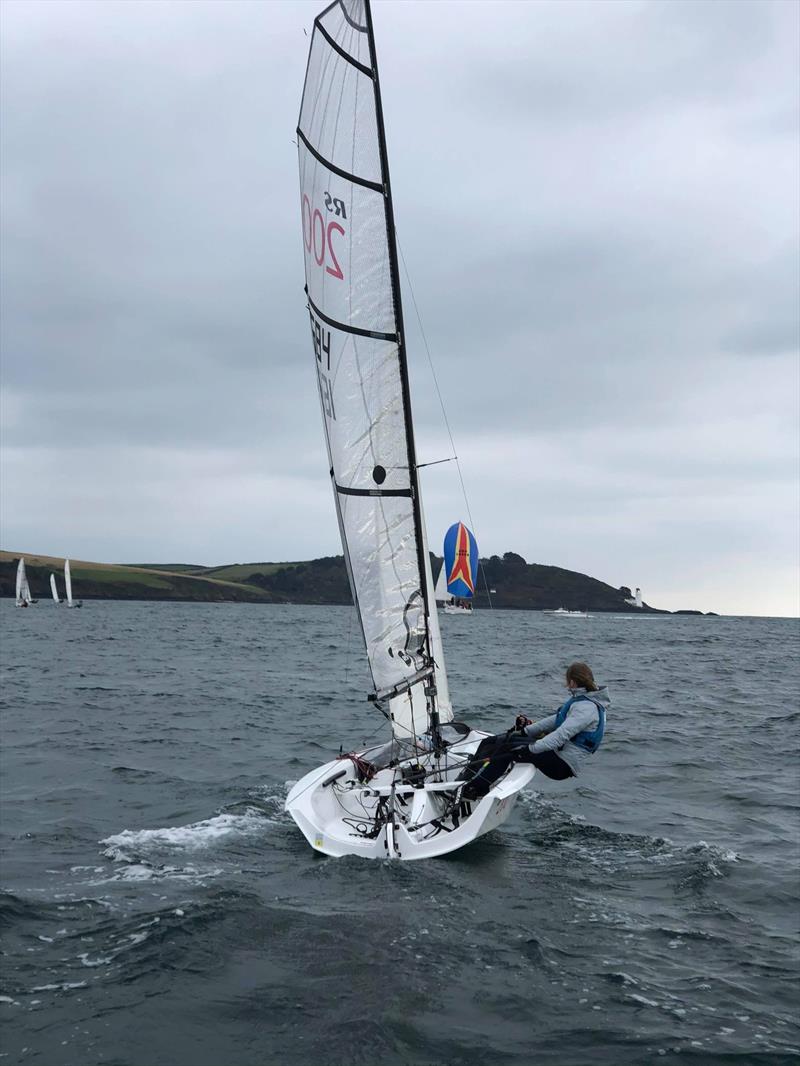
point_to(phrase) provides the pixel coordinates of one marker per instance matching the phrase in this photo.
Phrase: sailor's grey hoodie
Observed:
(583, 714)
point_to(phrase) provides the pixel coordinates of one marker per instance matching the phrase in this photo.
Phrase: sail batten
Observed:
(353, 300)
(354, 178)
(394, 337)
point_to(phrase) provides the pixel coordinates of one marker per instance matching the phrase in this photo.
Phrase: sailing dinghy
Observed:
(400, 799)
(68, 587)
(54, 588)
(23, 590)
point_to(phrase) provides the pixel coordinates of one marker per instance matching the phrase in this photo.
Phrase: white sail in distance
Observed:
(68, 583)
(54, 588)
(440, 591)
(23, 590)
(355, 316)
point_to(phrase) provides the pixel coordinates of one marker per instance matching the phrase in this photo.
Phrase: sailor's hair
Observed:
(581, 674)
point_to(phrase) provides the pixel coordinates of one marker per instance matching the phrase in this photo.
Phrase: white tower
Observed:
(637, 599)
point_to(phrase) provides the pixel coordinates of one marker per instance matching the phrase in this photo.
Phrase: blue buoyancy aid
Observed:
(589, 739)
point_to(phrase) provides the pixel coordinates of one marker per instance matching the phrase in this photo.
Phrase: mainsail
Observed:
(353, 293)
(68, 582)
(53, 588)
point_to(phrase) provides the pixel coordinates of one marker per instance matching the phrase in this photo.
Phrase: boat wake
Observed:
(607, 849)
(131, 845)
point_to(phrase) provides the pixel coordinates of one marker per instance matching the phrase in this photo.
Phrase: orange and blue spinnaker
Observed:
(460, 561)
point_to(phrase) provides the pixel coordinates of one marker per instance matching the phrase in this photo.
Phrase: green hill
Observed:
(110, 581)
(514, 582)
(241, 572)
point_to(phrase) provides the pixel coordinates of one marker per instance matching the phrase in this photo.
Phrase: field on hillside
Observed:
(119, 581)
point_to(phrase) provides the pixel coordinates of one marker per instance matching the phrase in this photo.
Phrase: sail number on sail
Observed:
(318, 236)
(322, 346)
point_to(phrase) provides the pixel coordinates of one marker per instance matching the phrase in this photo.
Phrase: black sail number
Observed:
(322, 349)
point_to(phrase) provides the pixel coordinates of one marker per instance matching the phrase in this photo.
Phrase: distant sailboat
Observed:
(68, 586)
(54, 588)
(563, 612)
(455, 585)
(24, 598)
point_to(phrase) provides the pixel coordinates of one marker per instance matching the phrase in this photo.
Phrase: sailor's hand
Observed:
(521, 722)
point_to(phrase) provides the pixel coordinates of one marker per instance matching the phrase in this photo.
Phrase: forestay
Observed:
(356, 326)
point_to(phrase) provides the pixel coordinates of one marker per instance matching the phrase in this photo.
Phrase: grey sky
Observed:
(598, 207)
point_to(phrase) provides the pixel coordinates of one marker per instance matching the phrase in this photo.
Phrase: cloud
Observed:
(597, 204)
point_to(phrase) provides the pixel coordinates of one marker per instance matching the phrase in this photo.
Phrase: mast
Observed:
(430, 683)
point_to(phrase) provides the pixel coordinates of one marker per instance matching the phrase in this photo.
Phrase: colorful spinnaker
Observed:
(460, 561)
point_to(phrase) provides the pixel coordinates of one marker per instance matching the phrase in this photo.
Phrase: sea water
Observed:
(159, 907)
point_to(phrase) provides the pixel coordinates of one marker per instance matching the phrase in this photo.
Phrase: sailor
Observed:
(558, 745)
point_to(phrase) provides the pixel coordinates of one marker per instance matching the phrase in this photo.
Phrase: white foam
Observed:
(141, 872)
(136, 872)
(59, 988)
(193, 837)
(718, 852)
(101, 961)
(642, 999)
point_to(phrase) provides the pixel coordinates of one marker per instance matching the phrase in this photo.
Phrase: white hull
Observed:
(75, 603)
(451, 608)
(561, 613)
(338, 816)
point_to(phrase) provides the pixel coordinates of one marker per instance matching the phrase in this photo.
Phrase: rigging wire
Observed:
(444, 414)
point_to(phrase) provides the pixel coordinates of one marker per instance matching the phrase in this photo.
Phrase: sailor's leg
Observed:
(550, 765)
(491, 760)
